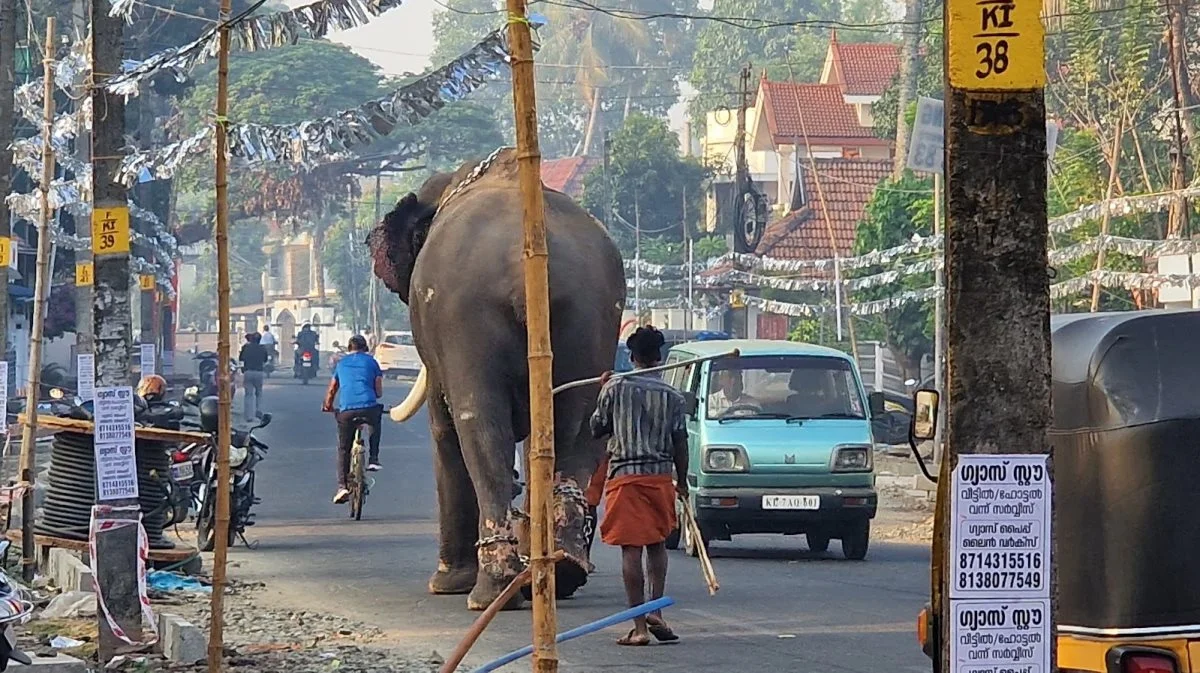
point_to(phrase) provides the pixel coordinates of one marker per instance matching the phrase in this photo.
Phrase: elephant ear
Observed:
(397, 240)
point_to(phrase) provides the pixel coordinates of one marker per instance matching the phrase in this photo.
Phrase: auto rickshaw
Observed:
(1125, 437)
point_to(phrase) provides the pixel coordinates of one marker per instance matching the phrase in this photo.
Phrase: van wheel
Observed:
(856, 539)
(817, 542)
(673, 540)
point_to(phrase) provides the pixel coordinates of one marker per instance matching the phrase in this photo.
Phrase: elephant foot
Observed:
(486, 591)
(448, 581)
(574, 526)
(499, 563)
(568, 578)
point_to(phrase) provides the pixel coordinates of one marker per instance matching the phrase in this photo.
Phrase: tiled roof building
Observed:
(566, 175)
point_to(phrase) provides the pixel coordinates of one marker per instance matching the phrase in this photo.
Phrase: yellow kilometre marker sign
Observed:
(110, 231)
(146, 282)
(83, 274)
(996, 45)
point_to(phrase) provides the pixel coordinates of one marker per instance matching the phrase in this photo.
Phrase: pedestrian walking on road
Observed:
(643, 418)
(253, 358)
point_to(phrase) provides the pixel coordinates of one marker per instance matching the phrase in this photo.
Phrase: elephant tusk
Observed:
(411, 404)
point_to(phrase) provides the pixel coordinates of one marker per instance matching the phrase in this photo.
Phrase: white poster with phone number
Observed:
(116, 464)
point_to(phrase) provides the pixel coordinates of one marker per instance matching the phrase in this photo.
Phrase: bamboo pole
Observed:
(537, 321)
(221, 533)
(28, 435)
(1107, 216)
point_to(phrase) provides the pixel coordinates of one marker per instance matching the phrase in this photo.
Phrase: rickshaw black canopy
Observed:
(1126, 438)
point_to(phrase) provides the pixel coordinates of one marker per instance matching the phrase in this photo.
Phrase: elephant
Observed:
(454, 253)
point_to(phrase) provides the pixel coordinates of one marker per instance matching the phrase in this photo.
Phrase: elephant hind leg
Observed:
(458, 512)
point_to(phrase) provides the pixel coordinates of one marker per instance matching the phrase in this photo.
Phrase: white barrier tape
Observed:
(99, 525)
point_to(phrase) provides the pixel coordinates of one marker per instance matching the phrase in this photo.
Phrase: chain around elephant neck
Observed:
(475, 174)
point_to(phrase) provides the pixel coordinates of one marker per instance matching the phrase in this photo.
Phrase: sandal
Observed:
(632, 639)
(659, 629)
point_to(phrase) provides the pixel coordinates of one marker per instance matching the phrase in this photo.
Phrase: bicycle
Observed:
(357, 482)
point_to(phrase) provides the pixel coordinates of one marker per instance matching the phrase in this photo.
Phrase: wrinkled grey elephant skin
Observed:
(455, 255)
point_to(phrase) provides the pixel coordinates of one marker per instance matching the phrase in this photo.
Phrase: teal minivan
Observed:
(780, 440)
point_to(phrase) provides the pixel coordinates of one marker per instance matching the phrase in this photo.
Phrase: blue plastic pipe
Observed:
(591, 627)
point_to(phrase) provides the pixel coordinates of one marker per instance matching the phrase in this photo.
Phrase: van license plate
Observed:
(791, 502)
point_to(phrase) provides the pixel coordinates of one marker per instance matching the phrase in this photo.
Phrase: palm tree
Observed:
(594, 45)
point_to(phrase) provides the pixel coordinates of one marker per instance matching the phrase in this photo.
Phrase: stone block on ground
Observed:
(68, 572)
(59, 663)
(182, 641)
(71, 604)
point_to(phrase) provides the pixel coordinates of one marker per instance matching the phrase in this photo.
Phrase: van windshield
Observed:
(795, 387)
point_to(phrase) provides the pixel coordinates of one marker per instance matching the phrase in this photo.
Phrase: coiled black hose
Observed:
(66, 512)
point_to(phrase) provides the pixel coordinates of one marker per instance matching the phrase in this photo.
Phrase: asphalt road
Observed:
(780, 607)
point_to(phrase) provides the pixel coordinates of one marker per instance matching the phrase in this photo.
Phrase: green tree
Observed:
(648, 180)
(896, 212)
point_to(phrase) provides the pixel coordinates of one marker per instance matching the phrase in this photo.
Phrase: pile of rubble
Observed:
(257, 639)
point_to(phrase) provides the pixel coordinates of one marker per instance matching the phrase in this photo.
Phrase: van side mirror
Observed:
(875, 401)
(691, 403)
(925, 415)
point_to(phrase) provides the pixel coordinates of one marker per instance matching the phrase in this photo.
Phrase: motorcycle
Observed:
(308, 369)
(13, 609)
(207, 370)
(245, 453)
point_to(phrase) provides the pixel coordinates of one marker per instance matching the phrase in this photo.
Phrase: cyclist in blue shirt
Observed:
(357, 384)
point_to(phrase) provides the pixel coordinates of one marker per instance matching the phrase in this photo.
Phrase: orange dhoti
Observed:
(595, 489)
(639, 510)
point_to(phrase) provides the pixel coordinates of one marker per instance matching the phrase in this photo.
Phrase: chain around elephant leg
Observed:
(499, 562)
(573, 528)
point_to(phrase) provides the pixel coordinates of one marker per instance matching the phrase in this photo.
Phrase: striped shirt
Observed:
(639, 414)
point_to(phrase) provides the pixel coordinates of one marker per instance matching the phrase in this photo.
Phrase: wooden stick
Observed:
(483, 620)
(86, 427)
(674, 365)
(706, 566)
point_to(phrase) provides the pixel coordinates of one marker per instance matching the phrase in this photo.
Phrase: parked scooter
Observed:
(13, 609)
(245, 452)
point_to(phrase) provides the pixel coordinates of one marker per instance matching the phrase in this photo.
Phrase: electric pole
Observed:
(8, 69)
(83, 258)
(997, 304)
(116, 548)
(376, 326)
(1178, 222)
(539, 354)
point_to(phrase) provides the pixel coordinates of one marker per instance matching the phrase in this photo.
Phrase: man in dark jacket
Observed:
(307, 340)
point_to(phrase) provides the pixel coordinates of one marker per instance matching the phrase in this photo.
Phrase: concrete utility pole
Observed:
(541, 359)
(997, 304)
(1178, 222)
(376, 326)
(8, 68)
(41, 289)
(117, 548)
(83, 258)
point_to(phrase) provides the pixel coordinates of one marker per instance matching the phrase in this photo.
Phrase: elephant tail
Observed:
(411, 404)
